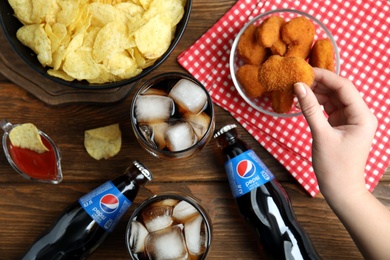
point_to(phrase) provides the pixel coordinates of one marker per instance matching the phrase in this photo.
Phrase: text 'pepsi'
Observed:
(262, 200)
(85, 224)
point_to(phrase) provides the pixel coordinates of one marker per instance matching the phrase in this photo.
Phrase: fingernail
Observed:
(300, 90)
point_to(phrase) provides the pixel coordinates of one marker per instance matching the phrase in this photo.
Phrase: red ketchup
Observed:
(36, 165)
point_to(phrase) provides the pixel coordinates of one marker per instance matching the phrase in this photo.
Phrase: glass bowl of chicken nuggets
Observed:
(275, 50)
(94, 44)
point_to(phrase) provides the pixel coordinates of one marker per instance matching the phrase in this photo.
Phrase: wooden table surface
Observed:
(28, 208)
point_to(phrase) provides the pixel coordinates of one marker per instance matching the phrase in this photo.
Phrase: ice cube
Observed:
(147, 132)
(156, 218)
(184, 211)
(189, 96)
(154, 134)
(180, 136)
(159, 130)
(153, 108)
(195, 235)
(137, 237)
(199, 122)
(166, 244)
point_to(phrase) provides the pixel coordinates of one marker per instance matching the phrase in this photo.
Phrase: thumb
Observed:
(310, 107)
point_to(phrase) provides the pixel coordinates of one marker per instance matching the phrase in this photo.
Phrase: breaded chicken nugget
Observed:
(322, 54)
(248, 76)
(249, 49)
(298, 34)
(268, 34)
(282, 101)
(280, 73)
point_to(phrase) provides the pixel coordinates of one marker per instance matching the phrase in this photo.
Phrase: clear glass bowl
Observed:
(54, 176)
(263, 103)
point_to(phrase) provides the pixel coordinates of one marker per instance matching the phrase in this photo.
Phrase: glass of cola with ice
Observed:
(169, 226)
(172, 116)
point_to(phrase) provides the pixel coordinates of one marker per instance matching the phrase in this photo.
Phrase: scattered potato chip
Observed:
(103, 142)
(26, 136)
(61, 32)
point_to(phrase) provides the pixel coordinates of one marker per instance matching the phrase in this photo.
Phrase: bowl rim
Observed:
(84, 85)
(234, 49)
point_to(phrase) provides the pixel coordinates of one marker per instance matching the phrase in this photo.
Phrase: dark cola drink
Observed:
(169, 226)
(85, 224)
(262, 200)
(172, 116)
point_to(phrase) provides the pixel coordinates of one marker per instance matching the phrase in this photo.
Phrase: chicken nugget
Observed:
(249, 49)
(322, 54)
(282, 101)
(281, 73)
(268, 34)
(248, 77)
(298, 34)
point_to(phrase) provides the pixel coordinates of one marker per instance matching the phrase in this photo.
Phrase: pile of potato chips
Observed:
(97, 40)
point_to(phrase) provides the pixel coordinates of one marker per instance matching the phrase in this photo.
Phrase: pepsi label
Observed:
(106, 205)
(246, 172)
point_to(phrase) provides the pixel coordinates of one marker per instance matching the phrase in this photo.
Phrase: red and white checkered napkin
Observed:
(361, 30)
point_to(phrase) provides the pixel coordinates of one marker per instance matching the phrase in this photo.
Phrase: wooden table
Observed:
(28, 208)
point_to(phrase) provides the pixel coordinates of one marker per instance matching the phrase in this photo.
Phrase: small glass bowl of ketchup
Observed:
(41, 167)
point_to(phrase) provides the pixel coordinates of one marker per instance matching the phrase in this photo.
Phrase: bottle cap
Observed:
(224, 129)
(142, 168)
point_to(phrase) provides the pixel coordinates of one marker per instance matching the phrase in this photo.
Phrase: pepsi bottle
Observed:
(262, 200)
(85, 224)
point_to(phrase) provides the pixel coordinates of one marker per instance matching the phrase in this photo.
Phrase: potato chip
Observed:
(90, 36)
(80, 65)
(69, 12)
(111, 39)
(145, 3)
(154, 38)
(102, 14)
(122, 65)
(64, 49)
(171, 8)
(22, 9)
(26, 136)
(56, 33)
(44, 11)
(59, 74)
(35, 37)
(103, 142)
(104, 76)
(130, 9)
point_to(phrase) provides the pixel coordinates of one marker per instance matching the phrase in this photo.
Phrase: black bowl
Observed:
(10, 24)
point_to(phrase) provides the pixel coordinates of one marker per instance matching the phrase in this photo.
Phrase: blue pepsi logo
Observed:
(245, 169)
(109, 203)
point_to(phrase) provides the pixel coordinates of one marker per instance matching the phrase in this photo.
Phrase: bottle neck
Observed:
(130, 182)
